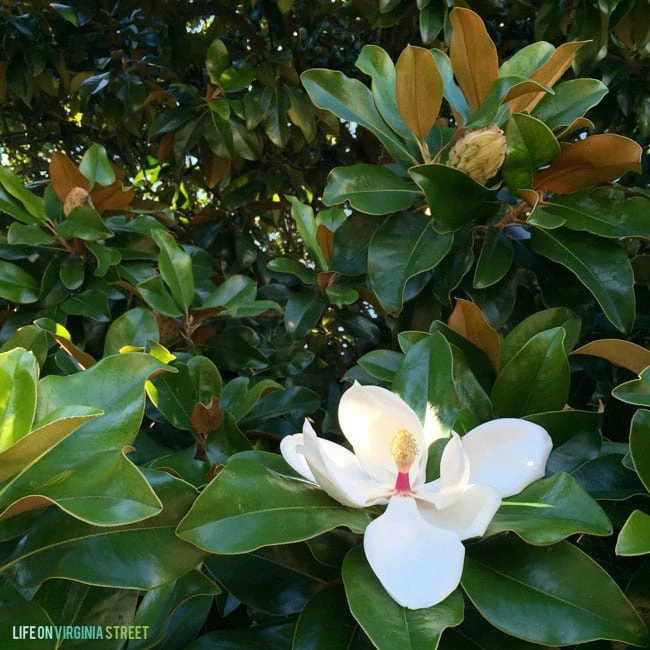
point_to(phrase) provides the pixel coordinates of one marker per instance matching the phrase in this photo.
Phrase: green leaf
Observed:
(237, 295)
(432, 20)
(216, 60)
(495, 260)
(387, 624)
(34, 205)
(350, 100)
(453, 197)
(382, 364)
(602, 211)
(135, 327)
(404, 246)
(640, 445)
(539, 594)
(539, 322)
(30, 338)
(369, 188)
(62, 546)
(264, 635)
(351, 241)
(96, 166)
(255, 501)
(160, 605)
(72, 272)
(286, 265)
(85, 223)
(239, 399)
(16, 210)
(531, 145)
(175, 268)
(303, 312)
(572, 99)
(453, 93)
(426, 379)
(278, 580)
(602, 266)
(28, 235)
(173, 396)
(536, 379)
(206, 379)
(325, 622)
(293, 399)
(301, 112)
(87, 474)
(634, 538)
(635, 391)
(16, 285)
(550, 510)
(526, 60)
(18, 376)
(303, 215)
(155, 294)
(377, 64)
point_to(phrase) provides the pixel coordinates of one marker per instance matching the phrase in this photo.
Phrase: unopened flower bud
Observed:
(479, 153)
(76, 197)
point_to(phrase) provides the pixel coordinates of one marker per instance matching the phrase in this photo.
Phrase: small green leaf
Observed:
(634, 538)
(72, 272)
(135, 327)
(370, 188)
(16, 285)
(495, 260)
(572, 99)
(303, 312)
(175, 268)
(96, 166)
(216, 60)
(388, 624)
(526, 60)
(85, 223)
(303, 215)
(382, 364)
(34, 205)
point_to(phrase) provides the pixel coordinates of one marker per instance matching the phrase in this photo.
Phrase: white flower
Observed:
(415, 546)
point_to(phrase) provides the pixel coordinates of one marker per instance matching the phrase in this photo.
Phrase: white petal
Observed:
(454, 476)
(469, 515)
(507, 454)
(433, 428)
(370, 417)
(293, 451)
(337, 471)
(418, 565)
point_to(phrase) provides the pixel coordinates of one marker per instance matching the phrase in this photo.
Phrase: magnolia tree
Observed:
(334, 341)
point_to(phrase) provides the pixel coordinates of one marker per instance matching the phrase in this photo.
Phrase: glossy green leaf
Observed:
(377, 64)
(536, 379)
(255, 501)
(58, 545)
(634, 538)
(286, 265)
(278, 580)
(526, 60)
(216, 60)
(387, 624)
(297, 400)
(301, 112)
(87, 474)
(96, 166)
(369, 188)
(602, 266)
(28, 235)
(495, 259)
(550, 510)
(539, 594)
(453, 197)
(432, 20)
(635, 391)
(206, 379)
(134, 327)
(175, 268)
(402, 247)
(16, 285)
(265, 635)
(16, 611)
(34, 205)
(498, 300)
(30, 338)
(453, 93)
(382, 364)
(351, 241)
(640, 445)
(351, 100)
(237, 295)
(155, 294)
(531, 145)
(539, 322)
(572, 99)
(173, 396)
(72, 272)
(303, 215)
(16, 210)
(239, 396)
(18, 376)
(607, 478)
(303, 312)
(85, 223)
(565, 424)
(159, 605)
(602, 211)
(315, 627)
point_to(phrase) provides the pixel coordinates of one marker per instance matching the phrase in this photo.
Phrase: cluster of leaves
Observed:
(274, 231)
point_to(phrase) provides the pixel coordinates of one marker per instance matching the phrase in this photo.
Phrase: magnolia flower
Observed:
(414, 547)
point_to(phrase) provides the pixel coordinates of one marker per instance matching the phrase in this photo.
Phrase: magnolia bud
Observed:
(479, 153)
(76, 197)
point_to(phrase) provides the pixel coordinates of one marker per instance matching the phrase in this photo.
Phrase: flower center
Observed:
(404, 450)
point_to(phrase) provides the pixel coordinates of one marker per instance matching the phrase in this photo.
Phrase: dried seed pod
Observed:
(479, 153)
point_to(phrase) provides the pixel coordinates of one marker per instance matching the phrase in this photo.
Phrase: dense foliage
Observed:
(216, 216)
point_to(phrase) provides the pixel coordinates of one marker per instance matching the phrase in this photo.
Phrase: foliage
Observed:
(218, 215)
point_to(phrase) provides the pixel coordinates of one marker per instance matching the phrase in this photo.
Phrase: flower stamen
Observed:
(404, 450)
